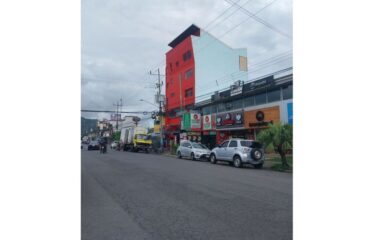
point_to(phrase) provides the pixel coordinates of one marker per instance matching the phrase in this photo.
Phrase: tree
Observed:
(280, 136)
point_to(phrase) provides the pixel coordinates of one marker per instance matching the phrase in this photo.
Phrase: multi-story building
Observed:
(243, 110)
(198, 64)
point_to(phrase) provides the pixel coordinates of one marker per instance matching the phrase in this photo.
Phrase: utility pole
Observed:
(159, 85)
(117, 105)
(160, 112)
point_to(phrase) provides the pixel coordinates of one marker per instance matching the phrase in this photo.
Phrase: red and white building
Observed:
(197, 65)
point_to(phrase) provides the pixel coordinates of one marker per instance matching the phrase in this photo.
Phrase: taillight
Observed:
(245, 150)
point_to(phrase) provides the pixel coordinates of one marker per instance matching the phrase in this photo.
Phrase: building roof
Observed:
(191, 30)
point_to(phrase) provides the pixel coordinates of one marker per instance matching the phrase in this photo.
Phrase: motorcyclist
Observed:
(102, 146)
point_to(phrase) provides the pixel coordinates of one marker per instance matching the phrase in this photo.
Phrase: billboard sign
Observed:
(290, 113)
(195, 121)
(229, 120)
(207, 122)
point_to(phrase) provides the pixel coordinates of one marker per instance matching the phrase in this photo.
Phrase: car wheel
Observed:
(256, 154)
(213, 159)
(193, 157)
(258, 166)
(179, 154)
(237, 162)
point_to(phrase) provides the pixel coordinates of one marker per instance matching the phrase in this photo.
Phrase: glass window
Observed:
(274, 95)
(188, 92)
(214, 109)
(250, 144)
(233, 144)
(206, 110)
(260, 98)
(287, 92)
(236, 104)
(172, 94)
(188, 74)
(224, 144)
(187, 55)
(249, 101)
(221, 107)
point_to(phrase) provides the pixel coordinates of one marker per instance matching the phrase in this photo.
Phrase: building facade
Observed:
(198, 64)
(243, 111)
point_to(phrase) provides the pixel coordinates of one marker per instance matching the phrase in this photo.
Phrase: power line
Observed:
(231, 6)
(236, 74)
(250, 80)
(232, 13)
(253, 15)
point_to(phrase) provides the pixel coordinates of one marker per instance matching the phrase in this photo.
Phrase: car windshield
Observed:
(251, 144)
(94, 142)
(141, 136)
(198, 145)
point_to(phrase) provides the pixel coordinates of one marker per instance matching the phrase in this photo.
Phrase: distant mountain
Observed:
(88, 124)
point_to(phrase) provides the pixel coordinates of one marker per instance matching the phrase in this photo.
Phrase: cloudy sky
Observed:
(122, 40)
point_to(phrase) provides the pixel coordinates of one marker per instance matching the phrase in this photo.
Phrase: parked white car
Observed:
(192, 150)
(114, 144)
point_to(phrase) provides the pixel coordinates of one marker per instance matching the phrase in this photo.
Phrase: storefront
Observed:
(191, 127)
(256, 120)
(230, 125)
(208, 137)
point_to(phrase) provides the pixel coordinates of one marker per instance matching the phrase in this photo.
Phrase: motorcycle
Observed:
(103, 148)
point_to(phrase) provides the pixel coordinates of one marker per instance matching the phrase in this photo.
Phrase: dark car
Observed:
(93, 145)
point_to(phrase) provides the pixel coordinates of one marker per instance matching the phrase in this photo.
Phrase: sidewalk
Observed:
(268, 164)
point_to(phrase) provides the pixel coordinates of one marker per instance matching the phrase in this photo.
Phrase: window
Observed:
(249, 101)
(171, 67)
(214, 109)
(187, 55)
(188, 92)
(233, 144)
(185, 144)
(287, 92)
(274, 95)
(224, 144)
(188, 74)
(172, 94)
(177, 64)
(221, 107)
(236, 104)
(250, 144)
(206, 110)
(260, 98)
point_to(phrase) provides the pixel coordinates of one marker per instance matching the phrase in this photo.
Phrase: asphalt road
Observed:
(145, 196)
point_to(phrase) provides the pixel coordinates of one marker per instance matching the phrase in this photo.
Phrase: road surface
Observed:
(146, 196)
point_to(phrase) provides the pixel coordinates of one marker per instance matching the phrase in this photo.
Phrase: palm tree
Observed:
(280, 136)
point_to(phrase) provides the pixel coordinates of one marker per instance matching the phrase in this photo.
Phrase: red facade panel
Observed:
(180, 77)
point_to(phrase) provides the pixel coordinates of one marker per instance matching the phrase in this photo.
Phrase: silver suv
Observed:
(192, 150)
(238, 152)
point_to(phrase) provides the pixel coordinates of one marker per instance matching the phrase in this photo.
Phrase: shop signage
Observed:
(231, 119)
(186, 121)
(236, 89)
(261, 118)
(290, 113)
(207, 122)
(195, 121)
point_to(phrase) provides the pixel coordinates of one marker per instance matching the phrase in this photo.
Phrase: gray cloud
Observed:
(123, 40)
